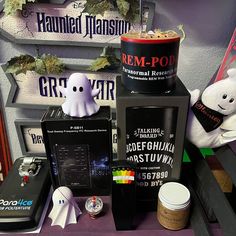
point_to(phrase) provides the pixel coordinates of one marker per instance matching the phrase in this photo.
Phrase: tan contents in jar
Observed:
(156, 34)
(172, 219)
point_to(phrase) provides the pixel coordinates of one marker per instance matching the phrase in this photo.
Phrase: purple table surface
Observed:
(147, 225)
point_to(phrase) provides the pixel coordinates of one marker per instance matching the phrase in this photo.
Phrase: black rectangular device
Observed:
(123, 194)
(23, 194)
(79, 150)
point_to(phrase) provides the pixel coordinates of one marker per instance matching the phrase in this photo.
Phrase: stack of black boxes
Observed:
(151, 117)
(152, 107)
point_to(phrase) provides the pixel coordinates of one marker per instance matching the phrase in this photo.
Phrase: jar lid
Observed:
(126, 38)
(174, 196)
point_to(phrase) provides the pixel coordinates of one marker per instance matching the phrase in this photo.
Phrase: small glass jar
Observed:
(94, 206)
(173, 206)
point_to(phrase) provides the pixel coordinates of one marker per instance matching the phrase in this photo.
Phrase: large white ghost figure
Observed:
(65, 210)
(213, 110)
(79, 96)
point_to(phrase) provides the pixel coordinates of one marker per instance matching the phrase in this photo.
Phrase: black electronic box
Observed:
(79, 150)
(23, 194)
(124, 194)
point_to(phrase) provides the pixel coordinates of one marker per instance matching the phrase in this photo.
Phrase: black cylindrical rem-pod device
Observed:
(149, 65)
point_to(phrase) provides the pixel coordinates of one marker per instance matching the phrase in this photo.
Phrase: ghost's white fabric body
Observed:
(220, 97)
(79, 96)
(65, 210)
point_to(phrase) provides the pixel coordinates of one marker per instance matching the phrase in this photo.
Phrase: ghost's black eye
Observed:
(74, 89)
(81, 89)
(231, 100)
(224, 96)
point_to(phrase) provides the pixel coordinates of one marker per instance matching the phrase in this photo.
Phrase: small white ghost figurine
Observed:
(79, 96)
(65, 210)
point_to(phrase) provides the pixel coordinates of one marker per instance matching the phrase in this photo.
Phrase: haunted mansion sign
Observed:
(67, 25)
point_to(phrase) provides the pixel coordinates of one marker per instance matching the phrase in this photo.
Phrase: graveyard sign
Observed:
(67, 24)
(32, 90)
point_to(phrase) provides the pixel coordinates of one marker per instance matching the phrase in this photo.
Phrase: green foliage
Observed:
(107, 60)
(99, 63)
(96, 7)
(20, 64)
(11, 6)
(40, 67)
(133, 13)
(129, 9)
(123, 7)
(53, 64)
(46, 64)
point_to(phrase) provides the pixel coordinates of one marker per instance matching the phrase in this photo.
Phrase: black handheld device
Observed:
(23, 194)
(123, 194)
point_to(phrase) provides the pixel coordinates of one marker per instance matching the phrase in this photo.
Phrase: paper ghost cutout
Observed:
(220, 98)
(79, 96)
(65, 210)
